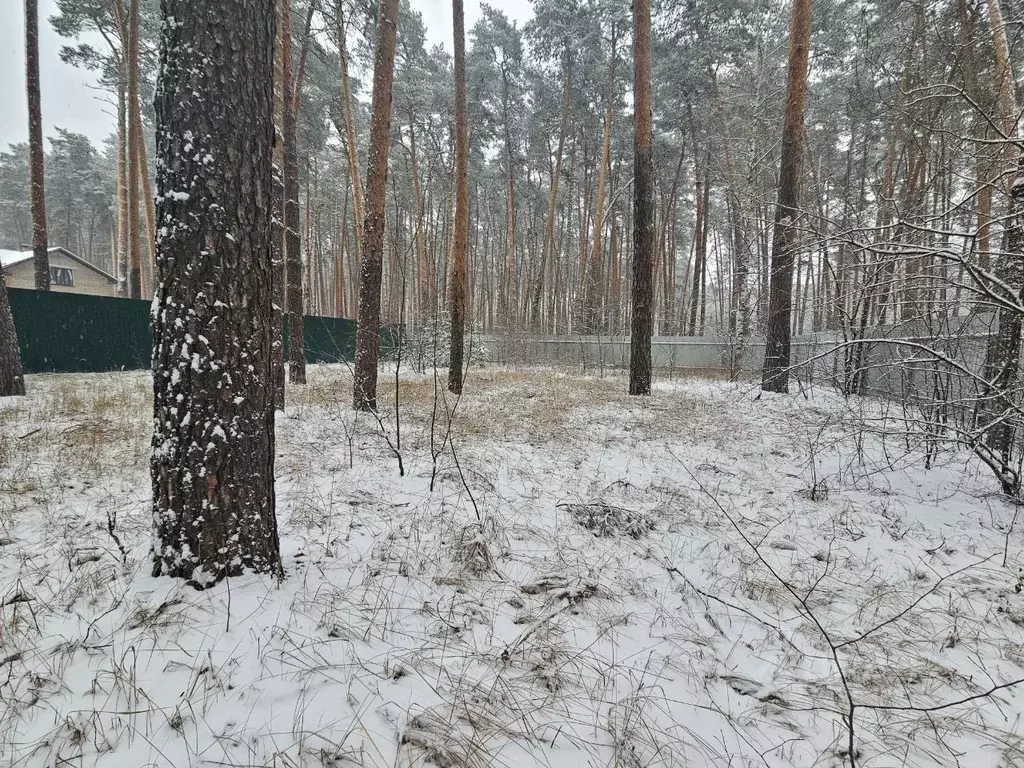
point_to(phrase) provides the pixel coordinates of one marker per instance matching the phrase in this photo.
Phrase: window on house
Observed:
(62, 276)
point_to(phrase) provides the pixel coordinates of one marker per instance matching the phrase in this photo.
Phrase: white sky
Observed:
(71, 101)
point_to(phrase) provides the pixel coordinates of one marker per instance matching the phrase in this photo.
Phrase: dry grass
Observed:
(473, 622)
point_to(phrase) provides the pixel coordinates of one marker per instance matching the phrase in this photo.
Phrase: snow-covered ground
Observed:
(757, 567)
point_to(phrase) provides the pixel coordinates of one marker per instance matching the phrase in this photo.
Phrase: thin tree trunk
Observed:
(149, 204)
(277, 256)
(1007, 91)
(123, 224)
(549, 224)
(643, 205)
(1003, 355)
(300, 71)
(697, 295)
(350, 131)
(775, 377)
(292, 223)
(592, 286)
(460, 248)
(40, 244)
(425, 280)
(131, 64)
(372, 255)
(339, 264)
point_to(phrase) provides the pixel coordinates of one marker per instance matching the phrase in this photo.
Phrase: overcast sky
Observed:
(70, 99)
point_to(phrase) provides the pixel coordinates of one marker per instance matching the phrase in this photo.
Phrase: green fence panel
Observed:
(328, 339)
(74, 333)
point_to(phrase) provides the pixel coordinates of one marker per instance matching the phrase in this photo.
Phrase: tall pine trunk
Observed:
(364, 395)
(123, 230)
(643, 204)
(457, 289)
(350, 130)
(131, 65)
(556, 175)
(212, 463)
(1003, 353)
(592, 314)
(292, 238)
(775, 376)
(277, 246)
(146, 188)
(40, 244)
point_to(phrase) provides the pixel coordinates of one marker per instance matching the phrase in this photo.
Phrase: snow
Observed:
(462, 613)
(9, 258)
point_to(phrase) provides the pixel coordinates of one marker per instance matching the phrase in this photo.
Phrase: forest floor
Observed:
(699, 578)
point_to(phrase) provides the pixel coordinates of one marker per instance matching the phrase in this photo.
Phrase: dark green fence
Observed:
(72, 333)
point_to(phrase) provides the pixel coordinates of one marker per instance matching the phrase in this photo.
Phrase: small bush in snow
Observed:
(606, 521)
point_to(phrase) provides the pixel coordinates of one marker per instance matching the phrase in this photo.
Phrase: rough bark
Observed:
(775, 376)
(457, 289)
(292, 238)
(12, 382)
(212, 463)
(40, 245)
(643, 205)
(364, 395)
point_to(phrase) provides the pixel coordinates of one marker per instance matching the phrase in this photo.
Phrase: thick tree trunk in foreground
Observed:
(292, 240)
(775, 376)
(40, 244)
(460, 249)
(12, 382)
(643, 205)
(364, 395)
(213, 443)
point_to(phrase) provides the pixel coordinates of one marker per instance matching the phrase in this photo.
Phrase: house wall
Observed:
(21, 275)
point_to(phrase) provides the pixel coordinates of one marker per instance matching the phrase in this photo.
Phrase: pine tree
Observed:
(461, 241)
(40, 244)
(292, 240)
(372, 256)
(643, 205)
(12, 382)
(131, 65)
(212, 463)
(775, 377)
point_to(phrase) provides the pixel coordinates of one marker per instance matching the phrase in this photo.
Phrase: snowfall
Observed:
(563, 576)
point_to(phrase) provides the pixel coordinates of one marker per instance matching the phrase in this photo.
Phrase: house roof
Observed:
(10, 258)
